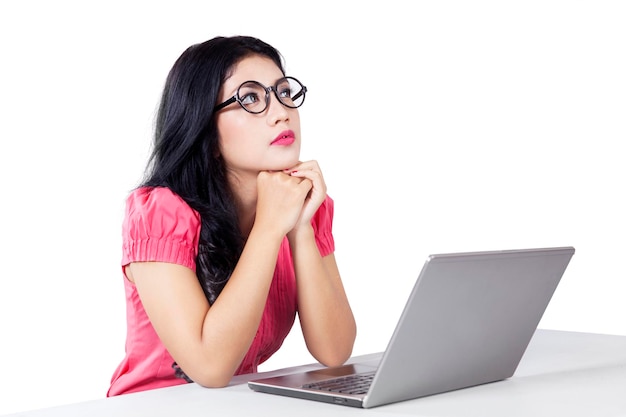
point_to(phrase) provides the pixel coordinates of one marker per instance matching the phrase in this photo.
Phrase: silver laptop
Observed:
(467, 321)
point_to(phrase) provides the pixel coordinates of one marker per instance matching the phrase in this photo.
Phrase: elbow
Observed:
(217, 378)
(213, 382)
(332, 363)
(334, 356)
(334, 351)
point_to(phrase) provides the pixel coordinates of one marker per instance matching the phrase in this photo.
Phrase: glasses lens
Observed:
(290, 92)
(252, 96)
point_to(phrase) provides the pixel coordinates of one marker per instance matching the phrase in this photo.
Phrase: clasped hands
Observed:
(288, 199)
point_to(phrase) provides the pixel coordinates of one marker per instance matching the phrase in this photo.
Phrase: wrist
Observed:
(267, 234)
(300, 233)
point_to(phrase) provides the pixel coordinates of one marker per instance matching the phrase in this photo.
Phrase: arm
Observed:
(209, 342)
(326, 318)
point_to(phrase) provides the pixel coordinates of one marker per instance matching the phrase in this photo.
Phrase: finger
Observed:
(305, 185)
(314, 176)
(307, 173)
(301, 166)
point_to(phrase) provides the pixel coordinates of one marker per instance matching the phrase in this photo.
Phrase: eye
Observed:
(284, 92)
(283, 89)
(249, 98)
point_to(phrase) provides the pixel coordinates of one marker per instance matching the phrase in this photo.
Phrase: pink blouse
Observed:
(160, 226)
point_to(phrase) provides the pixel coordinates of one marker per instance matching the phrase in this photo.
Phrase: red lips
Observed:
(285, 138)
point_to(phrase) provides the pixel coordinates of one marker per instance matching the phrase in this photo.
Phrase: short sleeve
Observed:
(159, 226)
(322, 223)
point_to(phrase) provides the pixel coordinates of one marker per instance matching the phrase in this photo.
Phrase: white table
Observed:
(561, 374)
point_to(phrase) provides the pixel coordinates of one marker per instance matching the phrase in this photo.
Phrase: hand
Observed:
(281, 198)
(311, 171)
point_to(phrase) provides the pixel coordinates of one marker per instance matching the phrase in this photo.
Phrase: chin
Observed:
(287, 163)
(282, 158)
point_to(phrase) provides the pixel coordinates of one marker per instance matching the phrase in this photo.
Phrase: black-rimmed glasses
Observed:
(254, 97)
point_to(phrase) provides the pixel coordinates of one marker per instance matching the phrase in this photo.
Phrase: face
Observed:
(250, 143)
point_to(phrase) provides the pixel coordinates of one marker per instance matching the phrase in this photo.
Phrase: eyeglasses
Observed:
(254, 97)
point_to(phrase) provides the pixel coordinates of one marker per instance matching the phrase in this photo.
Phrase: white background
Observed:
(443, 126)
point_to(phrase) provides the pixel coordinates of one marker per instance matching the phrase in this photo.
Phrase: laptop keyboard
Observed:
(351, 384)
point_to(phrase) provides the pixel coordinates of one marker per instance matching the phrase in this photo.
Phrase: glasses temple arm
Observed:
(297, 96)
(224, 104)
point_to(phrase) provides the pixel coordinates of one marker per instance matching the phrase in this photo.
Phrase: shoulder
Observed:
(159, 225)
(157, 212)
(154, 199)
(151, 202)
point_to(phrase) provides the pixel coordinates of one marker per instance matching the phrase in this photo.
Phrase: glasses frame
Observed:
(237, 99)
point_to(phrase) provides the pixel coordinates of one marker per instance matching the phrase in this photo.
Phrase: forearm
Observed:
(232, 321)
(326, 318)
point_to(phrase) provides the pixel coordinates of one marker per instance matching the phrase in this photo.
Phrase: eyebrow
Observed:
(234, 92)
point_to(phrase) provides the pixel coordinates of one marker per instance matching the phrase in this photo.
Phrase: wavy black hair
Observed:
(185, 156)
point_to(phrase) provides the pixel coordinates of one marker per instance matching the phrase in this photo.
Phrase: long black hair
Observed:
(185, 156)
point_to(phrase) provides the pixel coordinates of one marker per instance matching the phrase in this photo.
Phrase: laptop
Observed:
(468, 321)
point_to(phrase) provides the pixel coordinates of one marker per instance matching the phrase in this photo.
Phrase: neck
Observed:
(244, 189)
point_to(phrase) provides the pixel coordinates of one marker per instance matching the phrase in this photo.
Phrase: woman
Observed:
(230, 234)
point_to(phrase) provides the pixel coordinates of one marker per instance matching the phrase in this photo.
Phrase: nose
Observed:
(276, 111)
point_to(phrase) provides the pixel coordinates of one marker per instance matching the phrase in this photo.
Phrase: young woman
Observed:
(230, 234)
